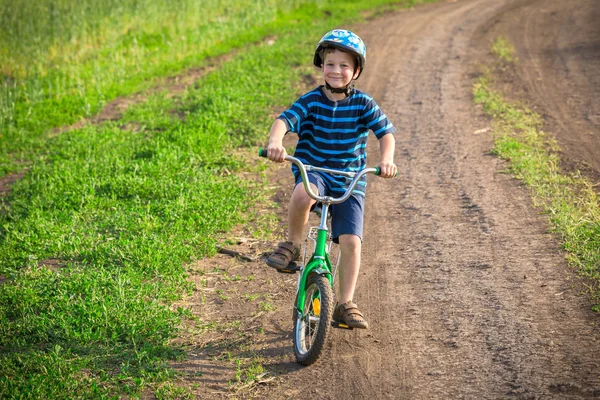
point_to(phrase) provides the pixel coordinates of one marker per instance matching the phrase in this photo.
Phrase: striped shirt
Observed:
(333, 134)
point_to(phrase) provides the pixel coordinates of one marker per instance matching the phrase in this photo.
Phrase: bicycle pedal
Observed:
(290, 269)
(341, 325)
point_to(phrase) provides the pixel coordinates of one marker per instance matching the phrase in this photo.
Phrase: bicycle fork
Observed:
(319, 263)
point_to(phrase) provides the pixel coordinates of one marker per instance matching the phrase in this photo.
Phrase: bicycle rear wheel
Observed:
(311, 329)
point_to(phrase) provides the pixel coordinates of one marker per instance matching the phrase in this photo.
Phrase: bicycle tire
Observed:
(311, 331)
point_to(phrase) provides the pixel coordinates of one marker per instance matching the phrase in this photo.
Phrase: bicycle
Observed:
(313, 308)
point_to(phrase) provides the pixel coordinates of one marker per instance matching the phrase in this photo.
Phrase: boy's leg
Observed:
(350, 248)
(346, 311)
(298, 212)
(347, 225)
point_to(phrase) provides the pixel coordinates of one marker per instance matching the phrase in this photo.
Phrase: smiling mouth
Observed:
(332, 80)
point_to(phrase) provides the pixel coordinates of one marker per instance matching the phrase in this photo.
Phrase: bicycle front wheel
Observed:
(312, 327)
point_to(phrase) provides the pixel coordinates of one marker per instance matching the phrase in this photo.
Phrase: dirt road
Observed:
(467, 294)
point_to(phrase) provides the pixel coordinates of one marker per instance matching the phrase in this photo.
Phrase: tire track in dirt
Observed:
(467, 294)
(558, 88)
(558, 45)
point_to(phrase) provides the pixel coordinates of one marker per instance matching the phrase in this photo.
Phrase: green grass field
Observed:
(96, 235)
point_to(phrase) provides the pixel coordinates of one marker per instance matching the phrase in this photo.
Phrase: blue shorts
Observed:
(347, 217)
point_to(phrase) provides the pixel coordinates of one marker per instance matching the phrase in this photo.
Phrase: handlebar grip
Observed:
(262, 152)
(378, 172)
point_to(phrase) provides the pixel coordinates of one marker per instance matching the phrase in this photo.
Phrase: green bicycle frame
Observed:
(319, 262)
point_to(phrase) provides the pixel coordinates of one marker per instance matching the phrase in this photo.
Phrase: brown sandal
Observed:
(284, 254)
(348, 314)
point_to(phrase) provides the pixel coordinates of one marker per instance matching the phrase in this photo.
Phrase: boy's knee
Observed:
(350, 243)
(301, 199)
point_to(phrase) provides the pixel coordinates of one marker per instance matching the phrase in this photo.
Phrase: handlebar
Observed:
(304, 168)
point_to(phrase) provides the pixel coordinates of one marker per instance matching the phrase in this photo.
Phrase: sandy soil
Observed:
(467, 294)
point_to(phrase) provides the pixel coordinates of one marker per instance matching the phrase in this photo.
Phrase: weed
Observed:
(266, 306)
(504, 50)
(234, 278)
(168, 391)
(222, 295)
(251, 297)
(247, 374)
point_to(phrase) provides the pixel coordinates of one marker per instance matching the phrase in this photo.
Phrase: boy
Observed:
(332, 123)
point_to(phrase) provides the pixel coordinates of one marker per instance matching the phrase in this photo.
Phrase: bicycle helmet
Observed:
(344, 40)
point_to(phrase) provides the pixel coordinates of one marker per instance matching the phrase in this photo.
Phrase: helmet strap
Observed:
(345, 90)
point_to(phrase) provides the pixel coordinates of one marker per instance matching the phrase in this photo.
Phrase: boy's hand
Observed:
(387, 145)
(276, 152)
(388, 169)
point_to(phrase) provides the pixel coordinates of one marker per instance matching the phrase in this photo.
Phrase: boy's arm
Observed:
(275, 150)
(387, 145)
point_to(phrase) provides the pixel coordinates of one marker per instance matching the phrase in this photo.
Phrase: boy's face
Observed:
(338, 68)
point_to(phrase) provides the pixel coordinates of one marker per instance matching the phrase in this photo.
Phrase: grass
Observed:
(95, 238)
(106, 206)
(504, 50)
(63, 60)
(569, 200)
(248, 374)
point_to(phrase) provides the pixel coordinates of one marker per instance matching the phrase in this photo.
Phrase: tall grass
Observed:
(63, 60)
